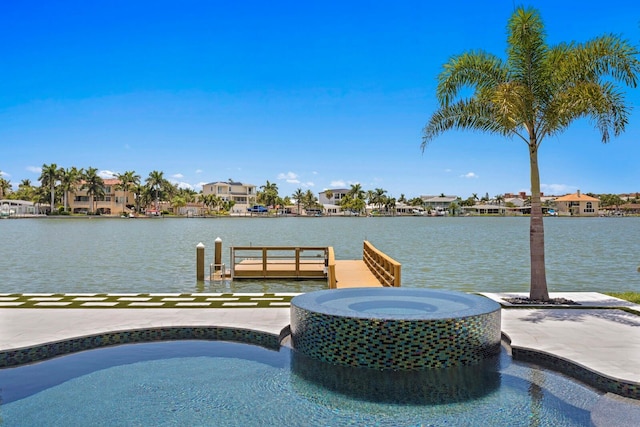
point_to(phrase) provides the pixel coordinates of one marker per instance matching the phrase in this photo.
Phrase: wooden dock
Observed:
(354, 274)
(375, 269)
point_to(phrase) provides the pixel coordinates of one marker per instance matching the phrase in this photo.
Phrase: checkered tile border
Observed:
(152, 300)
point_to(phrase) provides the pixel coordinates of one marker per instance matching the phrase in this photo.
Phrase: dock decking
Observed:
(375, 269)
(354, 274)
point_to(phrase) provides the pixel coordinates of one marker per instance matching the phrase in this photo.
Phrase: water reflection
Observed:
(422, 387)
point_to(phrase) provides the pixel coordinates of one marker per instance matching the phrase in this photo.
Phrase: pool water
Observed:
(230, 384)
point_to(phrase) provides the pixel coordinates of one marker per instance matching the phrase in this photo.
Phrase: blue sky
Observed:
(309, 95)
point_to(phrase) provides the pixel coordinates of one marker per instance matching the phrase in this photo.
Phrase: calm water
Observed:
(464, 254)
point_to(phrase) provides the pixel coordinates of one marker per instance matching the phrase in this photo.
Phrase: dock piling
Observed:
(200, 261)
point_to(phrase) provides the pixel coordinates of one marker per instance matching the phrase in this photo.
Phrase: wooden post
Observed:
(200, 261)
(217, 254)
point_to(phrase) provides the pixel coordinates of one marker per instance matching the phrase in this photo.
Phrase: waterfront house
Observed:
(17, 208)
(577, 204)
(439, 204)
(113, 201)
(331, 206)
(337, 195)
(243, 195)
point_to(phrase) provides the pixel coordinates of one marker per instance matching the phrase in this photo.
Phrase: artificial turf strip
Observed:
(45, 300)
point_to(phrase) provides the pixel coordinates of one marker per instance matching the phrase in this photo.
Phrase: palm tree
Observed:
(5, 186)
(26, 190)
(309, 200)
(155, 180)
(356, 194)
(140, 196)
(48, 178)
(537, 92)
(500, 200)
(178, 202)
(127, 182)
(94, 185)
(379, 197)
(328, 194)
(298, 195)
(69, 179)
(389, 204)
(356, 191)
(269, 193)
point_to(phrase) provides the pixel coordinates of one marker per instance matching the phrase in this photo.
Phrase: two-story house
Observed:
(577, 204)
(113, 201)
(243, 195)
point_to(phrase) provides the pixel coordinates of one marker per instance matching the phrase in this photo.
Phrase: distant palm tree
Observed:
(139, 194)
(269, 193)
(379, 197)
(48, 178)
(389, 204)
(499, 199)
(309, 200)
(5, 186)
(298, 195)
(127, 182)
(94, 185)
(357, 198)
(537, 92)
(178, 202)
(69, 179)
(155, 181)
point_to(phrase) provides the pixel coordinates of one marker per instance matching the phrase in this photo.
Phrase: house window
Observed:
(589, 208)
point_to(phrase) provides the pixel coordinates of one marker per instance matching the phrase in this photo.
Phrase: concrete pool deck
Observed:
(596, 334)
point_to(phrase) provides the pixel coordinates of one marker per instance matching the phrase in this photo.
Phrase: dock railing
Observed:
(278, 262)
(385, 268)
(331, 268)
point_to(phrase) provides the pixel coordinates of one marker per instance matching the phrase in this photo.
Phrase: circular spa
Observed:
(395, 328)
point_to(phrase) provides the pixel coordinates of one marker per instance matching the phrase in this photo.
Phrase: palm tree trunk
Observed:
(538, 289)
(53, 195)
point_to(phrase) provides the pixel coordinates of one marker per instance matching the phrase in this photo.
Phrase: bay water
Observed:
(481, 254)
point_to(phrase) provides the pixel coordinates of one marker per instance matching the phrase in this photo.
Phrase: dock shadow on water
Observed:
(433, 386)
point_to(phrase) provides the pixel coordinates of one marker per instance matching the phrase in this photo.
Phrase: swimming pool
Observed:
(222, 383)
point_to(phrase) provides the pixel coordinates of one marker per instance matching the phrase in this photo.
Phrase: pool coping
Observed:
(572, 369)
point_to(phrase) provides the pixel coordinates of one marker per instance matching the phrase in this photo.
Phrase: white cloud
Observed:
(338, 183)
(34, 169)
(177, 176)
(288, 176)
(469, 175)
(107, 174)
(198, 170)
(557, 189)
(181, 184)
(4, 174)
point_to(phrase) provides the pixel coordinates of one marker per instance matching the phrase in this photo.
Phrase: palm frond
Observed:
(603, 103)
(608, 56)
(475, 69)
(527, 50)
(470, 114)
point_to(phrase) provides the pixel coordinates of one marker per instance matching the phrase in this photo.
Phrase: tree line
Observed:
(58, 184)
